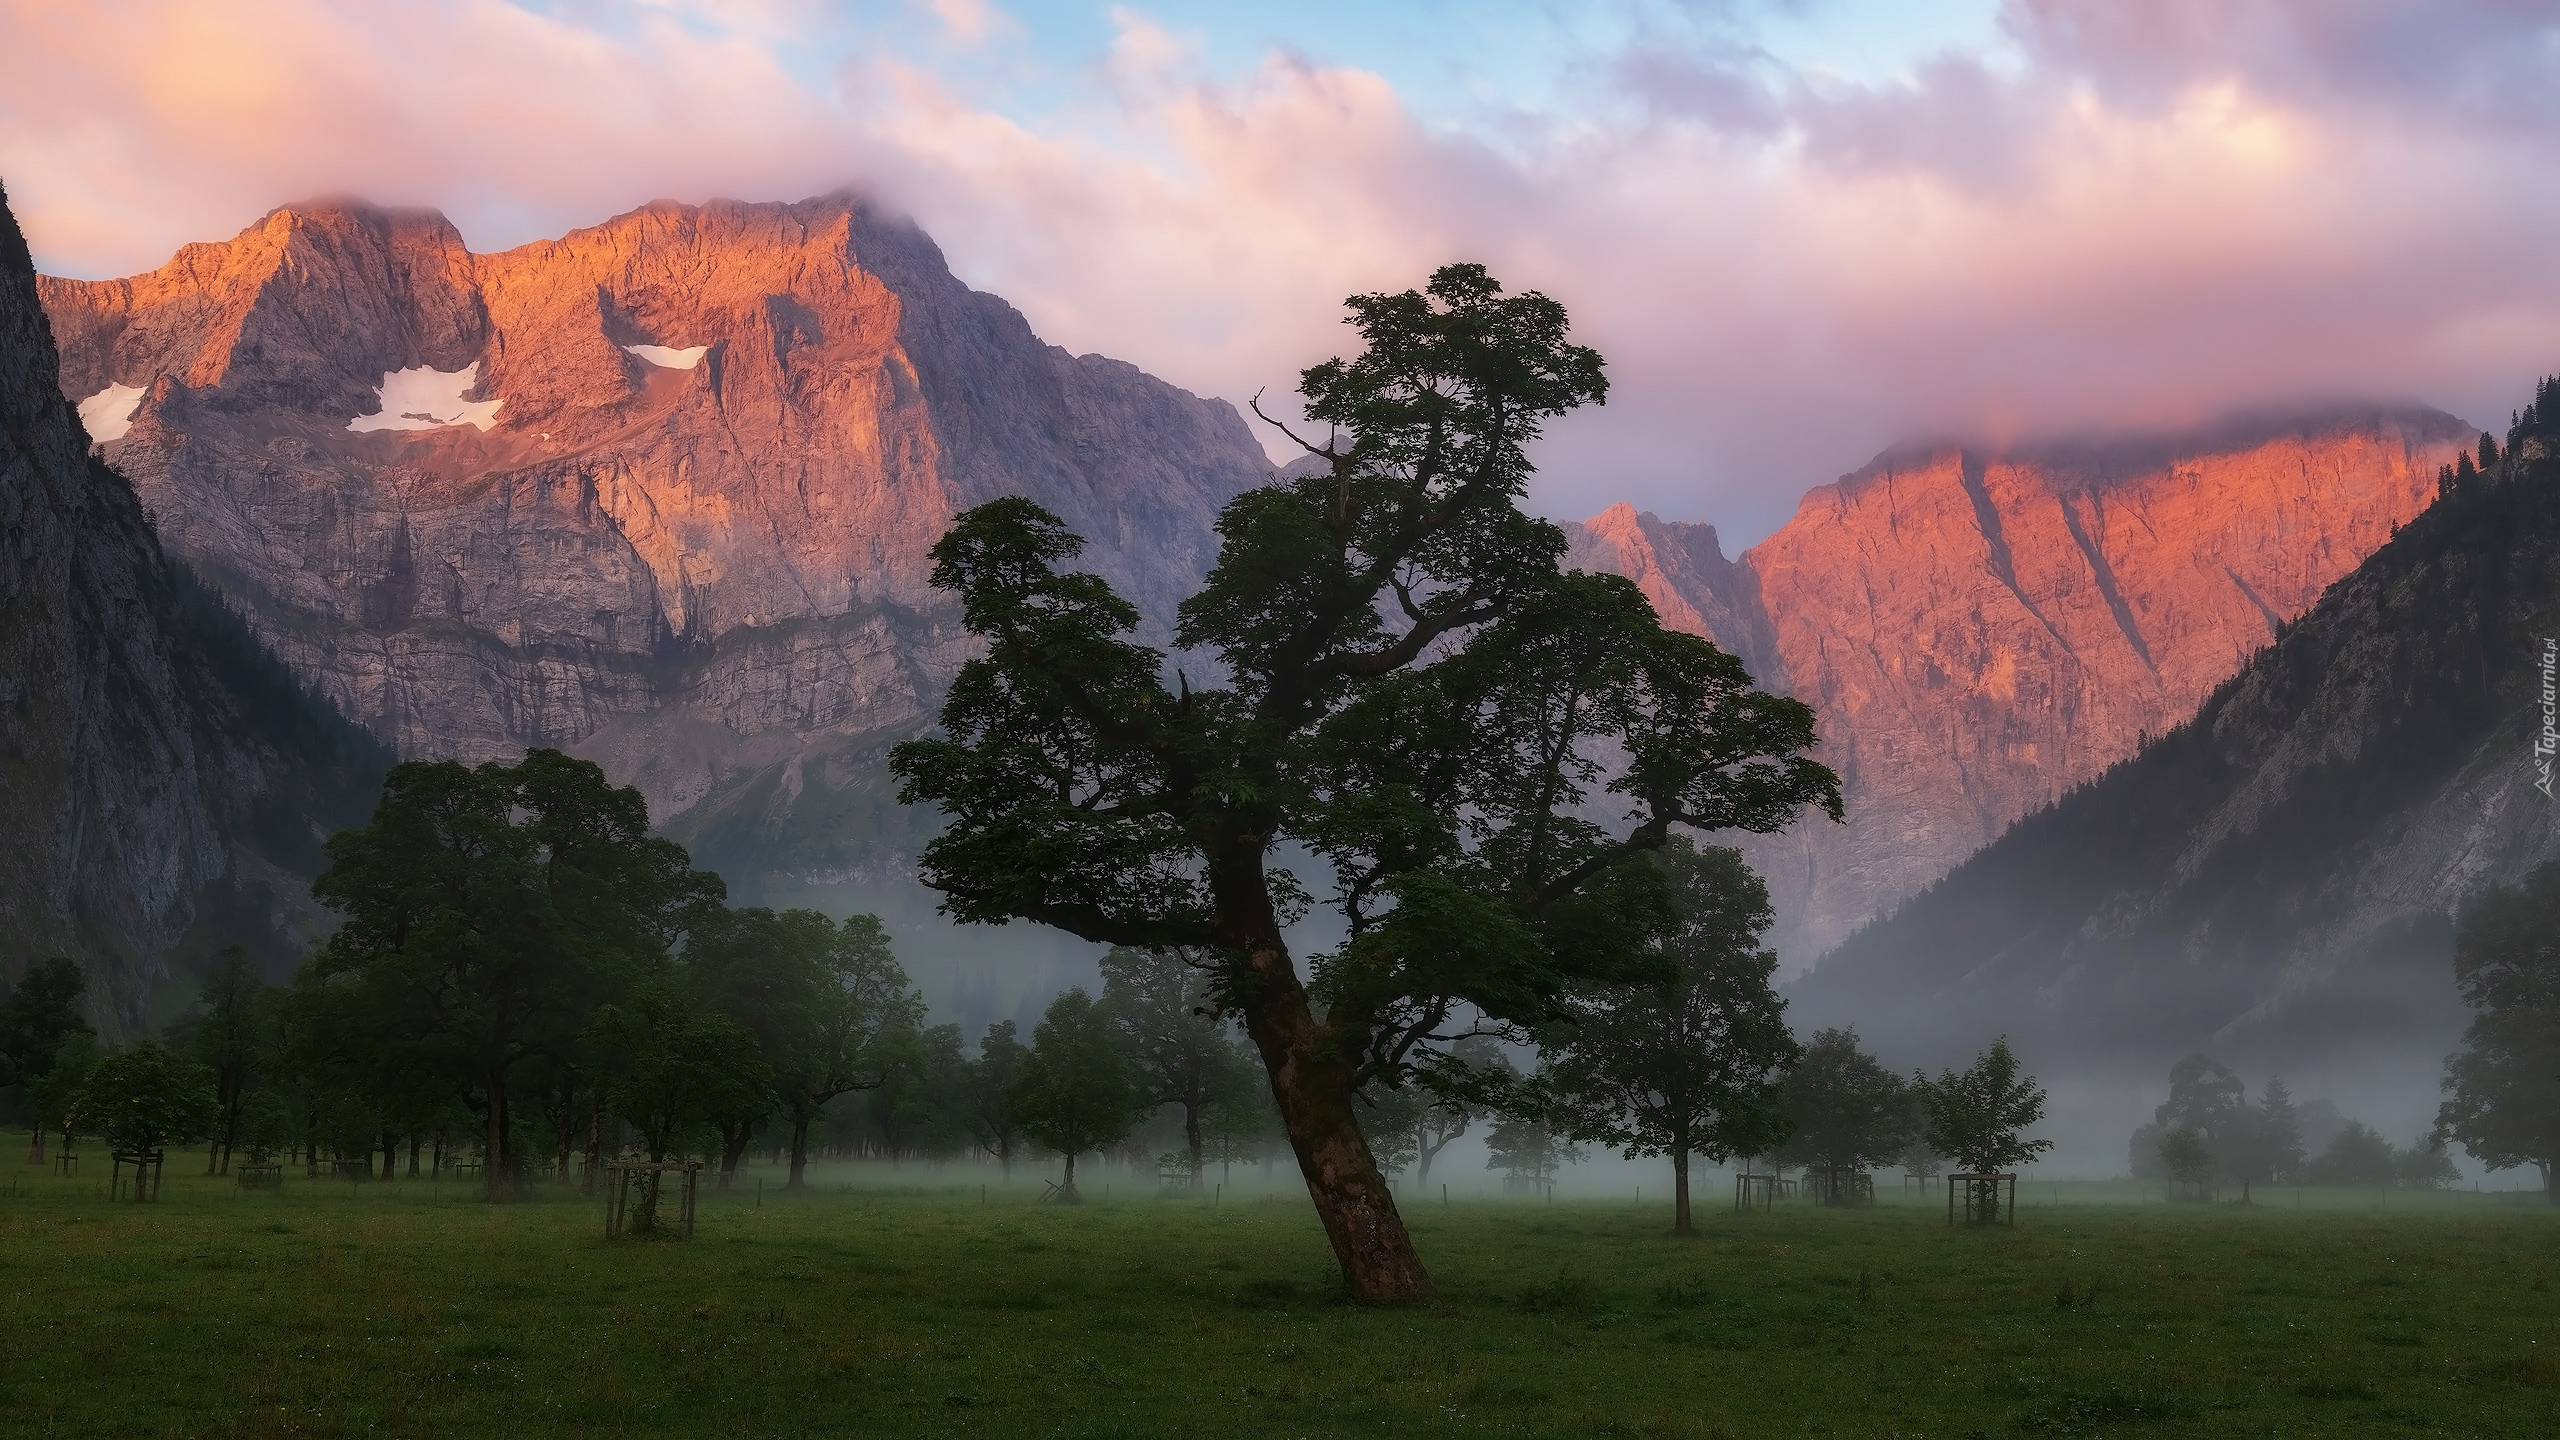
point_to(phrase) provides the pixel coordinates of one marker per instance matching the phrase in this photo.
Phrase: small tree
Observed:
(1845, 1111)
(1976, 1118)
(2357, 1155)
(1526, 1149)
(263, 1127)
(2502, 1089)
(53, 1098)
(1693, 1064)
(2279, 1147)
(224, 1033)
(1176, 1031)
(146, 1099)
(1000, 1058)
(42, 1010)
(2208, 1098)
(2425, 1165)
(670, 1069)
(1075, 1092)
(2188, 1158)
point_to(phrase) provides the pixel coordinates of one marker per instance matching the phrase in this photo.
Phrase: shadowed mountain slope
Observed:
(2277, 877)
(164, 774)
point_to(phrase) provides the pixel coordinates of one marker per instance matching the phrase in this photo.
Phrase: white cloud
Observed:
(422, 398)
(2127, 222)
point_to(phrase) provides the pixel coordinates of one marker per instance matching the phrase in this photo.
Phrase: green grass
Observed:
(333, 1310)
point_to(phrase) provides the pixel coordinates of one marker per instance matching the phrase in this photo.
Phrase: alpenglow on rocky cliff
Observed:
(658, 491)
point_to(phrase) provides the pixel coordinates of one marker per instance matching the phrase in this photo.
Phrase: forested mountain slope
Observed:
(2276, 877)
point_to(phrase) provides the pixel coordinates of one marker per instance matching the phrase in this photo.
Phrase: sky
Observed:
(1800, 230)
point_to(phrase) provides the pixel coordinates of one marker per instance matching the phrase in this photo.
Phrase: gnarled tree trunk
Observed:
(1313, 1084)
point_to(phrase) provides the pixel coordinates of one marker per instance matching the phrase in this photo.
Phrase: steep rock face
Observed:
(156, 765)
(1982, 630)
(2276, 878)
(696, 457)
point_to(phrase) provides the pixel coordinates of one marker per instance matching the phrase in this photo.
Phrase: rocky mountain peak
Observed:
(680, 468)
(1983, 627)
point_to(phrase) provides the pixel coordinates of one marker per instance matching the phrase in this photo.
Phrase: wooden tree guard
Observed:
(1840, 1184)
(146, 1174)
(1985, 1194)
(1755, 1192)
(66, 1164)
(267, 1175)
(621, 1178)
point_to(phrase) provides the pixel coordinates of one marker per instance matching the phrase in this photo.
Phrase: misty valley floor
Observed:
(408, 1309)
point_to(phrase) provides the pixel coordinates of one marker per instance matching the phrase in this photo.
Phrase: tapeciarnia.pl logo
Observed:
(2547, 744)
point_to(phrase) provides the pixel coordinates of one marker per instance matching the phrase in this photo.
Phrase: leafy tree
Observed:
(1527, 1149)
(53, 1098)
(2424, 1165)
(2209, 1099)
(225, 1034)
(1075, 1091)
(146, 1099)
(2279, 1143)
(862, 1004)
(1694, 1063)
(1975, 1117)
(1239, 1123)
(992, 1119)
(2186, 1155)
(493, 909)
(669, 1067)
(2357, 1155)
(2502, 1089)
(1841, 1109)
(41, 1011)
(262, 1126)
(925, 1108)
(1413, 693)
(1163, 1003)
(771, 974)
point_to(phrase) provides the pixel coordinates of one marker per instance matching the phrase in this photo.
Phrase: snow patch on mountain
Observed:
(668, 358)
(109, 413)
(425, 398)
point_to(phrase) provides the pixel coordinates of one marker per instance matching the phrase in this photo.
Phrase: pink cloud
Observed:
(2168, 211)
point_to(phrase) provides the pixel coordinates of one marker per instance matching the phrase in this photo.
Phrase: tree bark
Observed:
(799, 1154)
(35, 1146)
(1680, 1191)
(1313, 1083)
(1067, 1191)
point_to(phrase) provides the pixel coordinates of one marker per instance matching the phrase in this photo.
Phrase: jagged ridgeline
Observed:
(2278, 877)
(657, 492)
(166, 779)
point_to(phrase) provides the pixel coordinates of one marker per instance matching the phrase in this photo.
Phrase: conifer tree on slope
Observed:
(1409, 690)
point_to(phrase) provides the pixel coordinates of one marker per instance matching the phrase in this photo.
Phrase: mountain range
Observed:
(660, 492)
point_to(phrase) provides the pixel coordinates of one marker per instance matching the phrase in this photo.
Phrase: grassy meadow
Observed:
(863, 1308)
